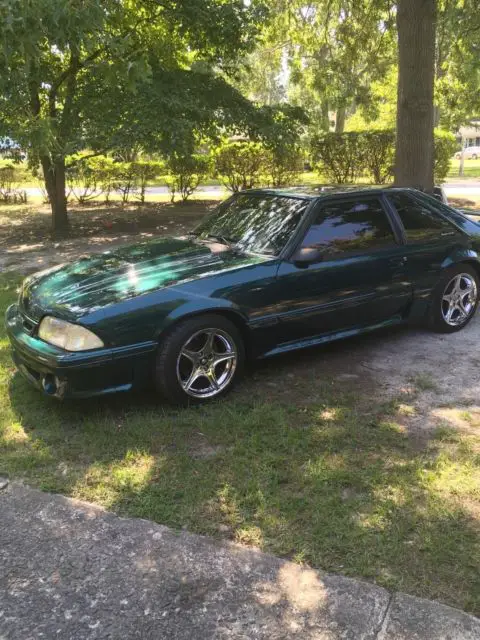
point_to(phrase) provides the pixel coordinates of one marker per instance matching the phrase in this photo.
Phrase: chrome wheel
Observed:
(206, 363)
(459, 299)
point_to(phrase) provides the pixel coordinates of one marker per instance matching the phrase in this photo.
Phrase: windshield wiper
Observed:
(223, 239)
(217, 237)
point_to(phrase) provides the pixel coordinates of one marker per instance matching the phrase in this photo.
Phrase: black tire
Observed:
(440, 306)
(169, 362)
(474, 156)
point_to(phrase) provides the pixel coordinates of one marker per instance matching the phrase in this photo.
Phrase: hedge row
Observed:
(239, 165)
(345, 157)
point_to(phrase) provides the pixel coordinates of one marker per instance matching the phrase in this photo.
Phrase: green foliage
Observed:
(9, 185)
(82, 179)
(106, 174)
(338, 156)
(90, 177)
(344, 157)
(100, 73)
(445, 147)
(337, 49)
(284, 163)
(242, 164)
(378, 154)
(144, 172)
(186, 172)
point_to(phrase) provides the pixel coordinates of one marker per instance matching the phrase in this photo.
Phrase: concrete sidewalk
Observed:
(71, 571)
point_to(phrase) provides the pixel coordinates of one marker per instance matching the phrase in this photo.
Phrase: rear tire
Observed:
(199, 360)
(455, 299)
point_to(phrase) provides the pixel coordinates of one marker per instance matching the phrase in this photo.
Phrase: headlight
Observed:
(68, 336)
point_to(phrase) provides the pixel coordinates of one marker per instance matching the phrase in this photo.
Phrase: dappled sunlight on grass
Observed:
(108, 483)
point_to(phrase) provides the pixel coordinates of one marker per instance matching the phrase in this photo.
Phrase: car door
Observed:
(430, 240)
(360, 279)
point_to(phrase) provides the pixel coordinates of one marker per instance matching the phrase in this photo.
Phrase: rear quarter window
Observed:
(421, 223)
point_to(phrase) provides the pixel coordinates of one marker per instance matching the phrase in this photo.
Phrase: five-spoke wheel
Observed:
(206, 363)
(459, 299)
(199, 359)
(455, 299)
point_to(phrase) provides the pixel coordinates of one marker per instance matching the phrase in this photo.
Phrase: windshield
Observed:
(257, 223)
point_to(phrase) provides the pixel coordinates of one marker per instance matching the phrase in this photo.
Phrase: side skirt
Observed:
(330, 337)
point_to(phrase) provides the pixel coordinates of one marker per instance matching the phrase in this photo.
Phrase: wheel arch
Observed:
(471, 262)
(234, 316)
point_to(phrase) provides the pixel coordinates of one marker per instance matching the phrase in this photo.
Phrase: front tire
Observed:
(455, 299)
(199, 360)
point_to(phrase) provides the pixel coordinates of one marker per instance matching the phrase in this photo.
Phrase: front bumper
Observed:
(64, 374)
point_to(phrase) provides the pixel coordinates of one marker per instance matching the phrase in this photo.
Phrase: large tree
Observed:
(63, 63)
(416, 72)
(334, 49)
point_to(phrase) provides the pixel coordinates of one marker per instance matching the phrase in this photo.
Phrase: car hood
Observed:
(96, 281)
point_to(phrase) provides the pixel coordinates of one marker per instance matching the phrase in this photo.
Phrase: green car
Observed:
(267, 272)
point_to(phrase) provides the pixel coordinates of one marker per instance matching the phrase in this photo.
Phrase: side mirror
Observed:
(306, 256)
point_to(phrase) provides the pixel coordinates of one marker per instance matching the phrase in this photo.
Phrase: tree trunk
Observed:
(54, 177)
(60, 216)
(414, 156)
(340, 120)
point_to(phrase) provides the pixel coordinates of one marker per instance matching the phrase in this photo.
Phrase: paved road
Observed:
(68, 570)
(454, 188)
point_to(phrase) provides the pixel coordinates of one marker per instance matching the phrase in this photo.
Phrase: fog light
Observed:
(49, 384)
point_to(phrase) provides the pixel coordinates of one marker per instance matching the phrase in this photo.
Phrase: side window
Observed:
(350, 226)
(421, 224)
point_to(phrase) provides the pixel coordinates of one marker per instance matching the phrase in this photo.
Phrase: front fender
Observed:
(196, 306)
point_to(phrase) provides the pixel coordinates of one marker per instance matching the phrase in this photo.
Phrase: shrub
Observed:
(242, 164)
(144, 172)
(106, 176)
(378, 154)
(445, 147)
(186, 172)
(123, 179)
(338, 155)
(9, 191)
(284, 163)
(343, 157)
(82, 180)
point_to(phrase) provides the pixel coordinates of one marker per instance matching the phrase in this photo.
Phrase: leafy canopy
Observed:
(70, 68)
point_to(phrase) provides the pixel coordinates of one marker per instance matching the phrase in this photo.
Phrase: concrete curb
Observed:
(70, 570)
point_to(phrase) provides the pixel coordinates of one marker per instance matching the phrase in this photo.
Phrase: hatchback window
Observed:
(421, 224)
(350, 226)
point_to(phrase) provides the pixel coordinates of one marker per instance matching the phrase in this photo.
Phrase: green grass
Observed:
(471, 169)
(337, 484)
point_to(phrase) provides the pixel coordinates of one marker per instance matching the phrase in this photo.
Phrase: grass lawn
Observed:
(471, 169)
(333, 481)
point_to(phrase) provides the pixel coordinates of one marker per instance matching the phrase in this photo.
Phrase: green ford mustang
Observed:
(267, 272)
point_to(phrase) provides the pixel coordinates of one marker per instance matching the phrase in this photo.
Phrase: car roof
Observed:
(322, 190)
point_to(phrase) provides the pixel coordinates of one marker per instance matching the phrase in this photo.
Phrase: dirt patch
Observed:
(464, 203)
(26, 244)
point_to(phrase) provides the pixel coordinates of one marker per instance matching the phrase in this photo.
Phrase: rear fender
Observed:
(421, 304)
